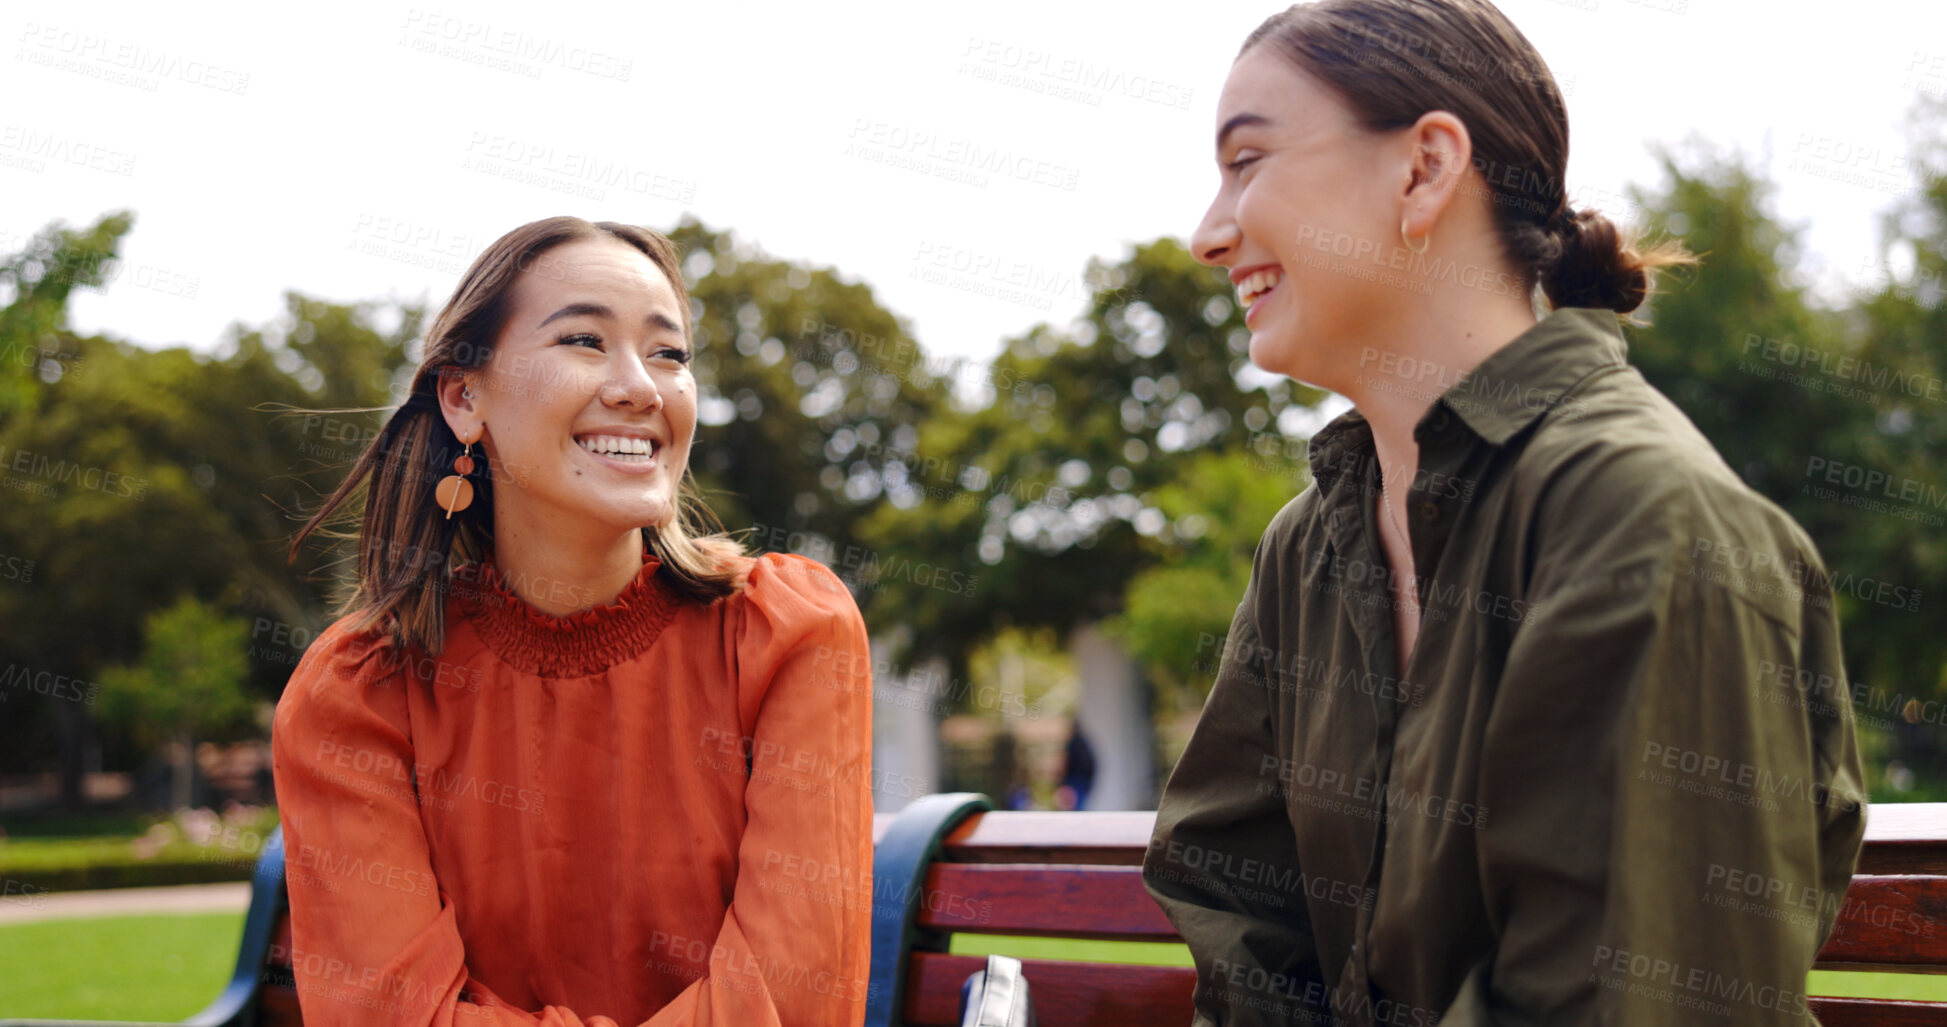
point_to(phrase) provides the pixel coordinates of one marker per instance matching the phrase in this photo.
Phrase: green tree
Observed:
(1177, 609)
(1898, 332)
(134, 476)
(1787, 389)
(189, 682)
(808, 391)
(36, 353)
(1050, 492)
(35, 284)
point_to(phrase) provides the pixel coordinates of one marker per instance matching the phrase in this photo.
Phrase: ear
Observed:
(463, 414)
(1439, 152)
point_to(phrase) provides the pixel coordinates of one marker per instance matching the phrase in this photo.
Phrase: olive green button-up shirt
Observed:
(1617, 781)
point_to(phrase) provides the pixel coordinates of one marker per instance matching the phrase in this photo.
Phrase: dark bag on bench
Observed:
(997, 996)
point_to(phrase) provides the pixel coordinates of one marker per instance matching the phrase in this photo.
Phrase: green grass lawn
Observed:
(167, 967)
(117, 968)
(1919, 987)
(1925, 987)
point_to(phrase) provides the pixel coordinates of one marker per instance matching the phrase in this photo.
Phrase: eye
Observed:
(580, 339)
(1238, 165)
(675, 353)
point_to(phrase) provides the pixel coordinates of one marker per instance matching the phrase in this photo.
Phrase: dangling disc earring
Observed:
(454, 492)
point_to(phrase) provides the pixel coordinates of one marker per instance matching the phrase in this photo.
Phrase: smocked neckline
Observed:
(574, 645)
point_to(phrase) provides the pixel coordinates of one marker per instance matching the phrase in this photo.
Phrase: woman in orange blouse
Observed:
(567, 761)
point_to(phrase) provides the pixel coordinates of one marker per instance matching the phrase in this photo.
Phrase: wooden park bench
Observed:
(946, 865)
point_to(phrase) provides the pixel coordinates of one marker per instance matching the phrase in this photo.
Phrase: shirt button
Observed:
(1440, 419)
(1429, 510)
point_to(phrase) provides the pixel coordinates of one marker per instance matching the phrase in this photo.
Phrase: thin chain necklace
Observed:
(1411, 589)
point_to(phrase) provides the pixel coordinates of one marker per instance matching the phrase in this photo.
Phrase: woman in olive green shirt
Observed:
(1512, 724)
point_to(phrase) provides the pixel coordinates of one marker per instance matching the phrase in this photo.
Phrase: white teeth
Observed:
(616, 446)
(1257, 284)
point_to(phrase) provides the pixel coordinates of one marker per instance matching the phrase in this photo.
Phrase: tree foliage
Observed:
(1050, 491)
(1805, 402)
(1117, 468)
(188, 683)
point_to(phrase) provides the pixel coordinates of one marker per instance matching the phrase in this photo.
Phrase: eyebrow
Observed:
(602, 310)
(1235, 123)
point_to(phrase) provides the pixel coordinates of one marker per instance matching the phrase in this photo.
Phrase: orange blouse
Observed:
(653, 812)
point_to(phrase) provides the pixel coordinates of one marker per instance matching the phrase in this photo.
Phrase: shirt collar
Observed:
(1519, 382)
(1532, 374)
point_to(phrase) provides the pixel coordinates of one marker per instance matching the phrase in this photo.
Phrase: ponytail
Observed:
(1589, 262)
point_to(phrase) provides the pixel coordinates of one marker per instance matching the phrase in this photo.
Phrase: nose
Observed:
(1215, 240)
(629, 384)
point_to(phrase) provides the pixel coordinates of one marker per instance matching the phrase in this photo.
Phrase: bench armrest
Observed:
(899, 865)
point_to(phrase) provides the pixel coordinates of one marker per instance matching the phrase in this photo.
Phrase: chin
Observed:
(1274, 352)
(621, 518)
(652, 515)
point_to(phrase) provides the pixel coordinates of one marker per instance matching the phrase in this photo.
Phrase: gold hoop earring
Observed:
(454, 493)
(1425, 240)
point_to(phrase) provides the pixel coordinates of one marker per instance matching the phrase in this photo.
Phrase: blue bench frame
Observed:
(899, 864)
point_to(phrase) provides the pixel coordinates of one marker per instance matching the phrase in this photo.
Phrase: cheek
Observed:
(1251, 213)
(679, 398)
(1270, 219)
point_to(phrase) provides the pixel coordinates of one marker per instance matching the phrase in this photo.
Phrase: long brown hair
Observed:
(406, 544)
(1392, 61)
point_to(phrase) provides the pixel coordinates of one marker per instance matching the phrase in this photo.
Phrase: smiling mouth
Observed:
(617, 447)
(1257, 284)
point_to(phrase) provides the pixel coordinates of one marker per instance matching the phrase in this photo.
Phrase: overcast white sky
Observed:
(359, 151)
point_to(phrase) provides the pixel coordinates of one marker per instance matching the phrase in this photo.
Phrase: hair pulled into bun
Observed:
(1594, 265)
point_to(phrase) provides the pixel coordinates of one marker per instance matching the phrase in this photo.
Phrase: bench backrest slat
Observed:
(1905, 838)
(1116, 838)
(1101, 902)
(1886, 922)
